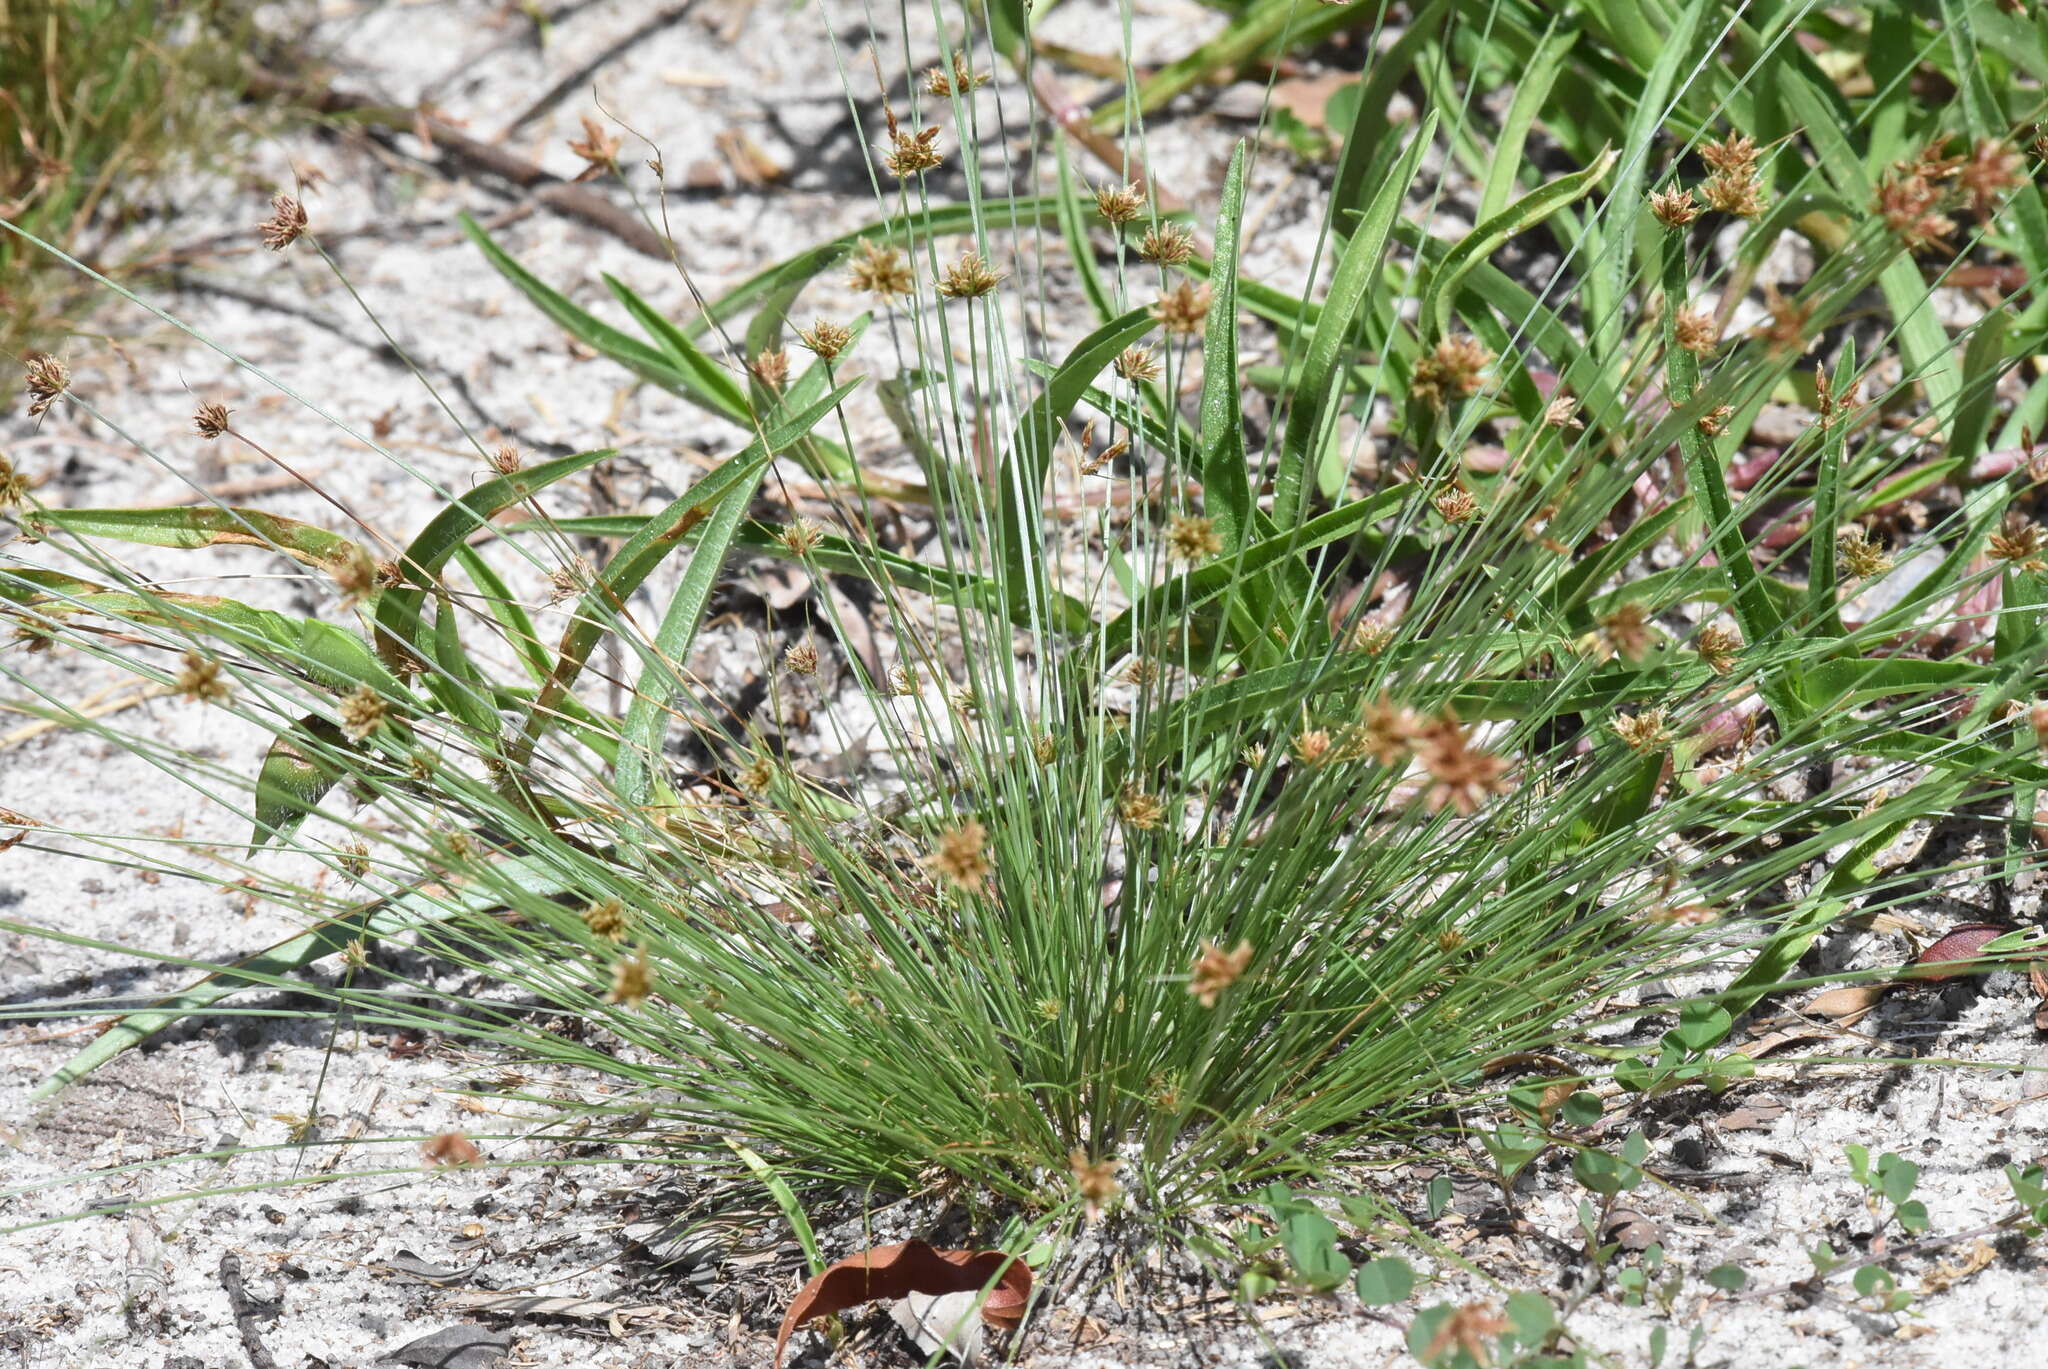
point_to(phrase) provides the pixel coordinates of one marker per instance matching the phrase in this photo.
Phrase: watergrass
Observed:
(1409, 714)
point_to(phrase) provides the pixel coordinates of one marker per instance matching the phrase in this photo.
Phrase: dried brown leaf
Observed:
(896, 1271)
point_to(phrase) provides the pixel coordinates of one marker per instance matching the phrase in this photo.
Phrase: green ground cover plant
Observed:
(105, 102)
(1418, 697)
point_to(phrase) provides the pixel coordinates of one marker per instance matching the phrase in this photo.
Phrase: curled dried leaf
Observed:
(897, 1271)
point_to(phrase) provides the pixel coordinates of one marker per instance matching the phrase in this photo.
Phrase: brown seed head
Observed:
(1136, 364)
(1451, 371)
(1562, 412)
(201, 681)
(1861, 558)
(1717, 646)
(910, 153)
(756, 775)
(1644, 732)
(1714, 421)
(1736, 152)
(1696, 331)
(362, 712)
(826, 339)
(13, 489)
(1183, 310)
(1313, 746)
(1912, 207)
(353, 860)
(1626, 632)
(941, 85)
(1120, 204)
(286, 224)
(598, 148)
(1141, 810)
(632, 981)
(801, 538)
(1216, 969)
(801, 658)
(1991, 169)
(879, 270)
(210, 421)
(1462, 777)
(1167, 244)
(1191, 537)
(1094, 1180)
(505, 460)
(1674, 207)
(606, 918)
(1045, 748)
(47, 378)
(1454, 505)
(2019, 541)
(771, 368)
(960, 857)
(1786, 332)
(969, 278)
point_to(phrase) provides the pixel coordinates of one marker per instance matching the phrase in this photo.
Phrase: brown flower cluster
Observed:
(910, 154)
(961, 856)
(1461, 776)
(1451, 371)
(1216, 969)
(1915, 197)
(1734, 186)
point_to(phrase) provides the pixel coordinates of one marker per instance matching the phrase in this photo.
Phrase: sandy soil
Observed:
(346, 1272)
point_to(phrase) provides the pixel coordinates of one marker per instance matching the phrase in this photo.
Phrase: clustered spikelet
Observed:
(1674, 207)
(1451, 371)
(1141, 810)
(1094, 1180)
(961, 857)
(1136, 364)
(1911, 203)
(505, 459)
(1191, 537)
(910, 154)
(47, 378)
(1562, 413)
(1167, 244)
(355, 574)
(1313, 746)
(879, 270)
(756, 775)
(1386, 730)
(1734, 187)
(632, 981)
(801, 658)
(800, 538)
(598, 148)
(2020, 542)
(1714, 421)
(606, 920)
(1835, 406)
(286, 224)
(353, 859)
(1696, 331)
(1454, 504)
(969, 278)
(1216, 969)
(1717, 646)
(942, 85)
(1182, 310)
(13, 489)
(1461, 776)
(1120, 204)
(1625, 631)
(1045, 748)
(825, 338)
(211, 421)
(1644, 732)
(362, 712)
(771, 368)
(1786, 332)
(1991, 168)
(1860, 558)
(200, 679)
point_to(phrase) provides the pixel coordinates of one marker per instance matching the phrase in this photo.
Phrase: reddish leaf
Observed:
(1949, 957)
(896, 1271)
